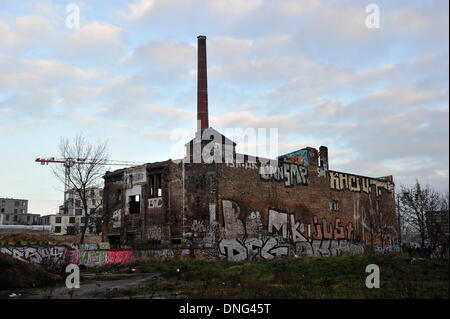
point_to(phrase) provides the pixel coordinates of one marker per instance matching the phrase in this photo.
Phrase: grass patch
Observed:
(297, 278)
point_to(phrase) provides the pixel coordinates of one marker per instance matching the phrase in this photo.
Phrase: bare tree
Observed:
(369, 220)
(415, 202)
(444, 201)
(82, 172)
(385, 222)
(378, 221)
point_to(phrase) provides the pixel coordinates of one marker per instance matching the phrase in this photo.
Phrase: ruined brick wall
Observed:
(113, 205)
(240, 212)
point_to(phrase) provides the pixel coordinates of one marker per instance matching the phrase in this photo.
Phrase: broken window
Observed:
(57, 229)
(118, 195)
(134, 203)
(155, 186)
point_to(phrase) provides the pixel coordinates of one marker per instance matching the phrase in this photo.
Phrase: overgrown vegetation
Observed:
(17, 274)
(331, 277)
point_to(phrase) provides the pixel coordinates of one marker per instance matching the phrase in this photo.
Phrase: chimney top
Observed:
(202, 85)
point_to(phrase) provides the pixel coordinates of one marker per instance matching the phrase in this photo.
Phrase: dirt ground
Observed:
(96, 288)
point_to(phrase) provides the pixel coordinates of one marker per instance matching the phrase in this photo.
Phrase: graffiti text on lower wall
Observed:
(59, 256)
(53, 256)
(284, 236)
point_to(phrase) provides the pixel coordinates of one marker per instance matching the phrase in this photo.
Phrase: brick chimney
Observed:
(202, 85)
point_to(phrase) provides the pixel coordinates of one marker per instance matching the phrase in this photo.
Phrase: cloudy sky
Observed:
(376, 97)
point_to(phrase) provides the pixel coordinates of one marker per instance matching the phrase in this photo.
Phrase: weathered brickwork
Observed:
(246, 210)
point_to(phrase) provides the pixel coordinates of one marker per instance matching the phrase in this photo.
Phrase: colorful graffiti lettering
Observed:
(341, 181)
(300, 157)
(53, 256)
(59, 256)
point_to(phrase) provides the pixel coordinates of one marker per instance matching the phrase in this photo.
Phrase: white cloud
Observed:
(94, 41)
(29, 32)
(234, 7)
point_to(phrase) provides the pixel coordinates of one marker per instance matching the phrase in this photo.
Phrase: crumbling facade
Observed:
(241, 207)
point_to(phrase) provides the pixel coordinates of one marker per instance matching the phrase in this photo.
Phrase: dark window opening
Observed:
(134, 203)
(118, 195)
(72, 220)
(57, 229)
(155, 189)
(58, 220)
(71, 230)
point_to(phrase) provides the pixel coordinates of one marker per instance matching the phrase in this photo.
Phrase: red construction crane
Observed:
(69, 162)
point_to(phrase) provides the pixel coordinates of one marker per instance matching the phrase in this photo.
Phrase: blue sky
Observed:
(376, 97)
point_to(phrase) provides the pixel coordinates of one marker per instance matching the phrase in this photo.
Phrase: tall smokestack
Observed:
(202, 85)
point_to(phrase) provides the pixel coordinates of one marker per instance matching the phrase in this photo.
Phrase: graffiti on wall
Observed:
(59, 256)
(291, 174)
(284, 236)
(155, 233)
(300, 157)
(53, 256)
(252, 248)
(204, 232)
(93, 258)
(116, 219)
(155, 202)
(319, 238)
(354, 183)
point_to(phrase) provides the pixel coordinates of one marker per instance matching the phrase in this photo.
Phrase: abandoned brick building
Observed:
(291, 206)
